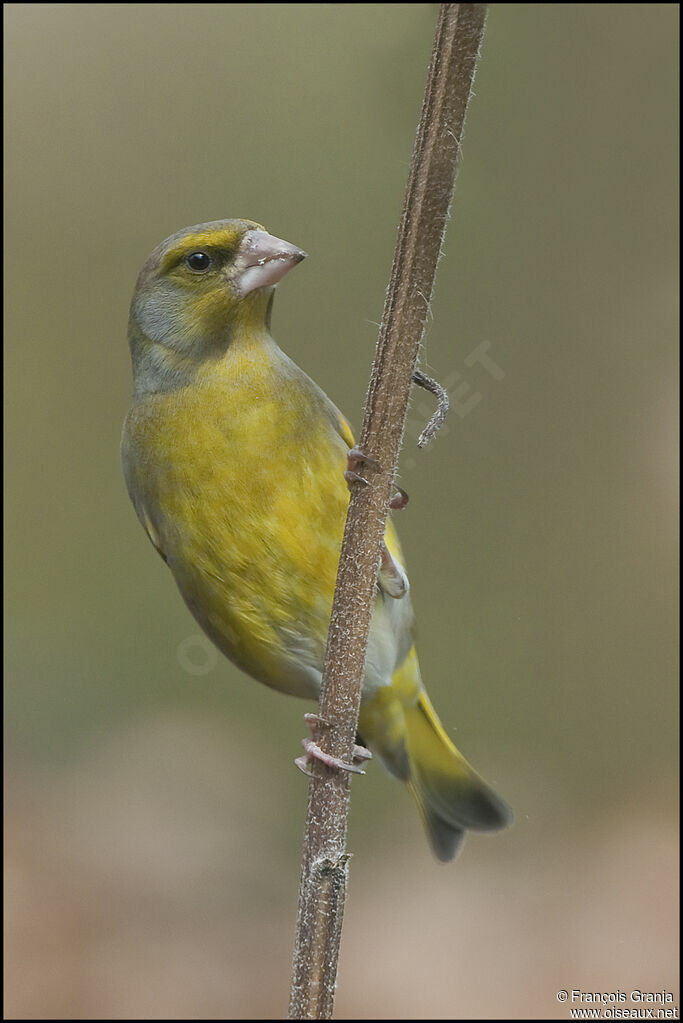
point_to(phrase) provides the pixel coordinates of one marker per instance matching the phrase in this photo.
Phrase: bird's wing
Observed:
(343, 429)
(392, 579)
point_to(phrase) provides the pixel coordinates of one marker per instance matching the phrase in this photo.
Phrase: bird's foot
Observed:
(355, 460)
(314, 752)
(399, 500)
(314, 722)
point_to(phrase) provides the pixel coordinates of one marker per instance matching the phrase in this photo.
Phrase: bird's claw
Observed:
(314, 722)
(314, 752)
(355, 460)
(399, 500)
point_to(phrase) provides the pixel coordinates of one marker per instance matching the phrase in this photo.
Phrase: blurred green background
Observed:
(154, 817)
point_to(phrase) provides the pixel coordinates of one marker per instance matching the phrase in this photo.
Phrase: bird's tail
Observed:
(401, 726)
(450, 795)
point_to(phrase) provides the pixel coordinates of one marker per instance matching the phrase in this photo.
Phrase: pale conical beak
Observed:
(262, 260)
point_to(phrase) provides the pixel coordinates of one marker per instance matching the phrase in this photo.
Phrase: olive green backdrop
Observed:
(154, 816)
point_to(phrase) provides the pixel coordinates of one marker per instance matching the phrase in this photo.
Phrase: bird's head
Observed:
(198, 290)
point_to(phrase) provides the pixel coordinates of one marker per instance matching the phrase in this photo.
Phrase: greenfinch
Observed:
(235, 462)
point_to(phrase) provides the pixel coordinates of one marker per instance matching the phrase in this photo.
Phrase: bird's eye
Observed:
(199, 262)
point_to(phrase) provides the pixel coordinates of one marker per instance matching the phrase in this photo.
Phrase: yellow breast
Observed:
(238, 479)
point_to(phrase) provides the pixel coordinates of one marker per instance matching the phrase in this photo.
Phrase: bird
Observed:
(239, 467)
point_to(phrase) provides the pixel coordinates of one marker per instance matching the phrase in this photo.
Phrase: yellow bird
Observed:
(235, 462)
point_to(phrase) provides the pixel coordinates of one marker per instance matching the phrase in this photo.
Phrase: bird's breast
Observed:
(243, 490)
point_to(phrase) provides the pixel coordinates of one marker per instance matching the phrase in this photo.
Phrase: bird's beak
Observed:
(262, 260)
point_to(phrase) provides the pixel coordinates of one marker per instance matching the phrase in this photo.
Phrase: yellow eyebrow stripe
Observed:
(226, 239)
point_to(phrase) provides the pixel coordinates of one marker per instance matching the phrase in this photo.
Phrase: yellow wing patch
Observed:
(345, 432)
